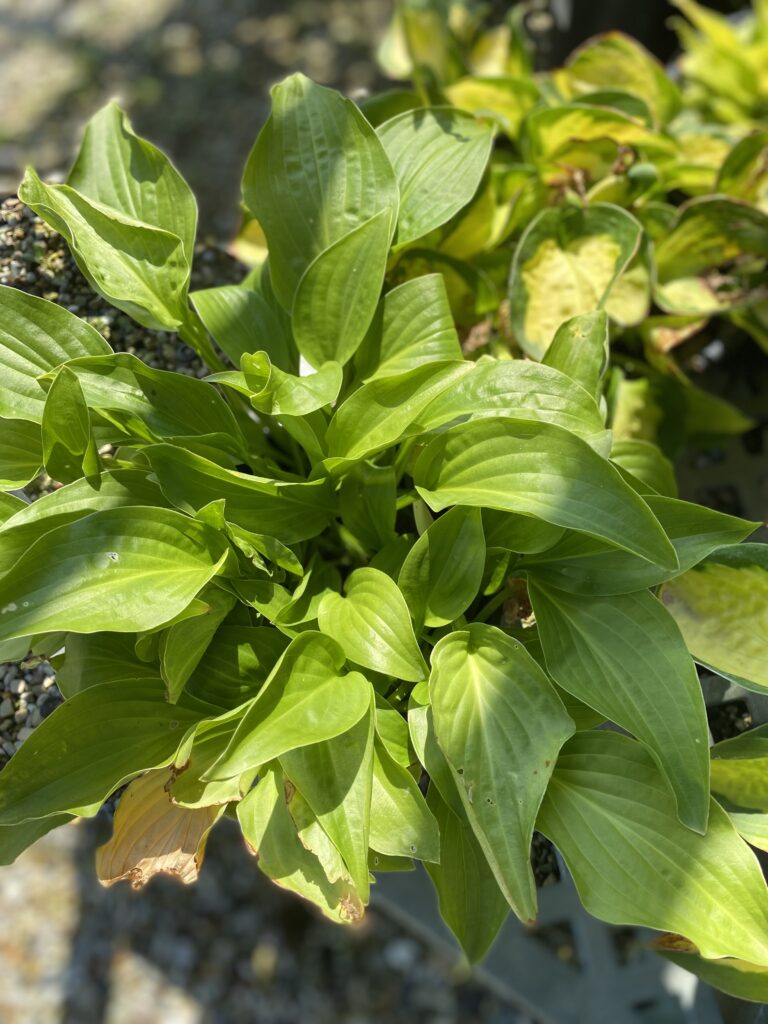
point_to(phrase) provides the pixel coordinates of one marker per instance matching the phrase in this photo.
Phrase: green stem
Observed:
(491, 606)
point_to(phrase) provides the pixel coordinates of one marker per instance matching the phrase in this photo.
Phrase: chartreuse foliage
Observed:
(610, 186)
(366, 591)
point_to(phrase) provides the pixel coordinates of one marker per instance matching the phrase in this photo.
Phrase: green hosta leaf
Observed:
(288, 511)
(401, 823)
(624, 656)
(471, 902)
(93, 743)
(189, 787)
(380, 413)
(277, 393)
(439, 155)
(616, 61)
(629, 300)
(515, 387)
(185, 643)
(744, 173)
(367, 502)
(243, 320)
(255, 545)
(10, 505)
(579, 349)
(736, 977)
(752, 826)
(337, 295)
(442, 572)
(37, 336)
(540, 470)
(122, 569)
(126, 173)
(145, 404)
(504, 99)
(647, 464)
(335, 779)
(305, 700)
(697, 262)
(420, 40)
(754, 320)
(412, 326)
(69, 449)
(742, 782)
(270, 832)
(111, 490)
(519, 533)
(15, 839)
(421, 729)
(373, 626)
(301, 610)
(142, 270)
(565, 265)
(550, 132)
(21, 453)
(314, 837)
(94, 658)
(316, 172)
(493, 705)
(721, 606)
(235, 665)
(582, 565)
(609, 812)
(739, 774)
(392, 730)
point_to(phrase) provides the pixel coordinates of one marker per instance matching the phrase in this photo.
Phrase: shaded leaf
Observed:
(401, 823)
(471, 902)
(721, 607)
(609, 812)
(486, 694)
(625, 657)
(335, 779)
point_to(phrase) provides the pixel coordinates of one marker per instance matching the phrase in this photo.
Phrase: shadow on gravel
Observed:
(248, 953)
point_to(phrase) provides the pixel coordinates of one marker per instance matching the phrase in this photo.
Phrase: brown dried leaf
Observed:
(154, 836)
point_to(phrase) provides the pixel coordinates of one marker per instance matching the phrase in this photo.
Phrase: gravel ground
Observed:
(232, 949)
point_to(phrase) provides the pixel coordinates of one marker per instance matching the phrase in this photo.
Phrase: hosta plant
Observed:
(607, 186)
(373, 595)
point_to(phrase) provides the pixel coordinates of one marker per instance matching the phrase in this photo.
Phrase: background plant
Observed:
(293, 597)
(683, 258)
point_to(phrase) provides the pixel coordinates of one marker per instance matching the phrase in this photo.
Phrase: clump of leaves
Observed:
(724, 61)
(609, 186)
(358, 564)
